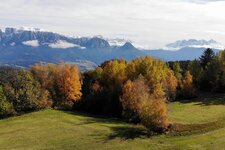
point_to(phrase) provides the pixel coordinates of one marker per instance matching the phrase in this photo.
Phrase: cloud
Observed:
(33, 43)
(203, 1)
(64, 45)
(151, 23)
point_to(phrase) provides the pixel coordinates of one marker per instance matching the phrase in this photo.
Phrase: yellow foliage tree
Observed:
(68, 81)
(133, 93)
(170, 84)
(154, 114)
(139, 105)
(45, 74)
(187, 88)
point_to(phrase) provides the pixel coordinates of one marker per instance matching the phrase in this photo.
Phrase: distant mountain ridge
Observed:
(13, 36)
(195, 44)
(26, 46)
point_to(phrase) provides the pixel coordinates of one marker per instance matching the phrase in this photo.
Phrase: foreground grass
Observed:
(204, 109)
(51, 129)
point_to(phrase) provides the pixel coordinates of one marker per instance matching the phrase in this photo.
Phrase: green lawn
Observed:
(52, 129)
(200, 110)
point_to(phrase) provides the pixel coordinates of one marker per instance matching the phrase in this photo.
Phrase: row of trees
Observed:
(140, 89)
(209, 72)
(206, 74)
(43, 86)
(137, 91)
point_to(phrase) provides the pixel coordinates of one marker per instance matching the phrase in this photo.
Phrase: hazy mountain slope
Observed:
(25, 47)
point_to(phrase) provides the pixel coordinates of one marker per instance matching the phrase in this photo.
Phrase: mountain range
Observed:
(24, 47)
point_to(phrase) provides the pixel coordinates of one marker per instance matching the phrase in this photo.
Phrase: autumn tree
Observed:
(170, 84)
(134, 92)
(154, 114)
(109, 77)
(44, 74)
(68, 83)
(94, 95)
(154, 71)
(63, 81)
(141, 106)
(129, 88)
(187, 88)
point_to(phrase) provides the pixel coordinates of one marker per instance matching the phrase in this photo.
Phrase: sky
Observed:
(148, 23)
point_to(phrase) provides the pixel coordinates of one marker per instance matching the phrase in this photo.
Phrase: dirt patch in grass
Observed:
(189, 129)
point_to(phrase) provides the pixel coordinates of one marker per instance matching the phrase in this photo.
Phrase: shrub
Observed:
(141, 106)
(153, 114)
(6, 108)
(133, 94)
(24, 92)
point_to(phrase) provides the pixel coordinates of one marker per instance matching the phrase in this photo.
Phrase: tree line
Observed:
(137, 91)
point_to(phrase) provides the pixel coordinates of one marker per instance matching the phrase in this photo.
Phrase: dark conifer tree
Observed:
(207, 57)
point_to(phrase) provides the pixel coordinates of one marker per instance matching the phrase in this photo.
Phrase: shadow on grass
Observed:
(129, 133)
(92, 118)
(125, 131)
(119, 129)
(207, 99)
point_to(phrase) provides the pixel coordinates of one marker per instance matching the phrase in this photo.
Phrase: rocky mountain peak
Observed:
(97, 42)
(128, 45)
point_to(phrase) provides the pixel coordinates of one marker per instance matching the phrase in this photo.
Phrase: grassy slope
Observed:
(51, 129)
(200, 110)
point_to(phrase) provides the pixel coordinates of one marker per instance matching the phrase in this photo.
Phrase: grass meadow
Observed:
(198, 124)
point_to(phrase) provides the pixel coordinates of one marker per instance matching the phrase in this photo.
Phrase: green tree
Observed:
(196, 71)
(177, 71)
(24, 92)
(214, 77)
(206, 58)
(5, 107)
(221, 75)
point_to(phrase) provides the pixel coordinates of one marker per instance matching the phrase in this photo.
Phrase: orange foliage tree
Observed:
(68, 83)
(141, 106)
(170, 84)
(63, 81)
(187, 87)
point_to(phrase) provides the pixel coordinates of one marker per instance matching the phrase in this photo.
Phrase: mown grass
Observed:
(200, 110)
(52, 129)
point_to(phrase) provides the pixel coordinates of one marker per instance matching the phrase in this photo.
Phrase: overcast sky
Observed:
(149, 23)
